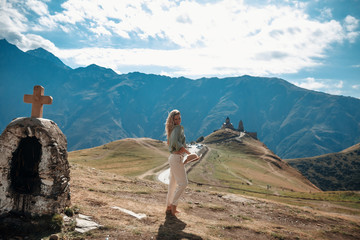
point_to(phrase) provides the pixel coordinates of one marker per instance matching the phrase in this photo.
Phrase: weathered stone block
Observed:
(34, 170)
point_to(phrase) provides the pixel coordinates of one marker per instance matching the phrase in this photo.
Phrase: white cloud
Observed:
(225, 37)
(39, 7)
(312, 84)
(33, 41)
(356, 87)
(339, 85)
(100, 31)
(323, 85)
(14, 26)
(326, 13)
(351, 23)
(12, 22)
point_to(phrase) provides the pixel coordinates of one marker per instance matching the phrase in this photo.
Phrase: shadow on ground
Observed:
(173, 228)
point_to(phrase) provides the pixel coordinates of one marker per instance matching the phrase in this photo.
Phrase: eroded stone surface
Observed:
(53, 193)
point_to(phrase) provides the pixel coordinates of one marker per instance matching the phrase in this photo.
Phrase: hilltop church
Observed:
(229, 125)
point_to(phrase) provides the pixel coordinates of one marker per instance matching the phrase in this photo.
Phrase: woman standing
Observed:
(176, 142)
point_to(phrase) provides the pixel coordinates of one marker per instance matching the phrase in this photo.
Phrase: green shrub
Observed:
(69, 212)
(56, 222)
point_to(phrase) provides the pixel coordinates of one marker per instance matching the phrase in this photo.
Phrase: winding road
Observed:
(197, 148)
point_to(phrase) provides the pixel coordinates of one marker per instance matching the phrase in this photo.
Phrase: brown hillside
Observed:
(127, 157)
(208, 211)
(334, 171)
(250, 163)
(354, 149)
(205, 213)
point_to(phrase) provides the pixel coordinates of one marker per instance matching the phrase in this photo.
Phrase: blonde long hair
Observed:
(169, 124)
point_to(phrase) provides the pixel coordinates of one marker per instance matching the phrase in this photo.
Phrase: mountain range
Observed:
(95, 105)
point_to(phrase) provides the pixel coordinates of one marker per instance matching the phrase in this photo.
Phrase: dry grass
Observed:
(207, 211)
(245, 171)
(127, 157)
(206, 214)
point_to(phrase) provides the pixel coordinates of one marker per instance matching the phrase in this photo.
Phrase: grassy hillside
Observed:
(127, 157)
(232, 202)
(235, 162)
(332, 172)
(246, 163)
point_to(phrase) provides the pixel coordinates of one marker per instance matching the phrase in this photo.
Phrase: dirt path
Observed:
(154, 171)
(163, 176)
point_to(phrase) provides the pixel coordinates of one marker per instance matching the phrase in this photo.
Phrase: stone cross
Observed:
(37, 100)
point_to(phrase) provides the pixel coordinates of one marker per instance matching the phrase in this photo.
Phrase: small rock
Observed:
(137, 215)
(54, 237)
(85, 224)
(82, 216)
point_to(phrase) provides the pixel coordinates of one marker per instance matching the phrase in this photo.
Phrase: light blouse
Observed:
(177, 139)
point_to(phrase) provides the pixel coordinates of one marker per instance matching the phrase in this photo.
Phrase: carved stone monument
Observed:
(34, 170)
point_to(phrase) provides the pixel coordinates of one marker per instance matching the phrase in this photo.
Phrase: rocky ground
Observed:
(205, 213)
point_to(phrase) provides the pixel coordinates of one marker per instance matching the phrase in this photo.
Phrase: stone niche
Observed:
(34, 170)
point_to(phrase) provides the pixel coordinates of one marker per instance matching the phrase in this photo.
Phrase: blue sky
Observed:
(313, 44)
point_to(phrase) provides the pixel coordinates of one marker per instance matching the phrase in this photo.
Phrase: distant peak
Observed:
(96, 68)
(44, 54)
(5, 43)
(39, 51)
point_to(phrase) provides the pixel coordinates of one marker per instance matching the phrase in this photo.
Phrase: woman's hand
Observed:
(191, 157)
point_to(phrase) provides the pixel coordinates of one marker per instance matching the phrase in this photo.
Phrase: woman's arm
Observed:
(183, 150)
